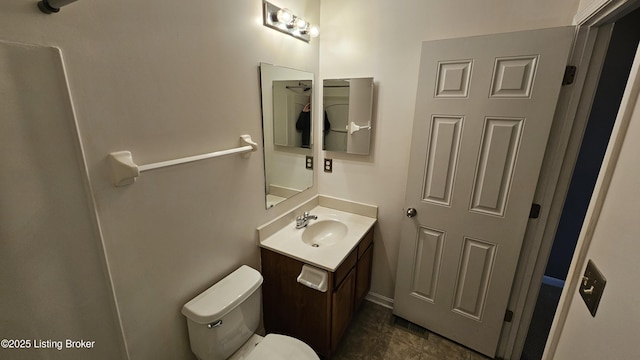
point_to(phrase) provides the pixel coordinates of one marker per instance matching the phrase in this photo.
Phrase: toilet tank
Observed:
(225, 315)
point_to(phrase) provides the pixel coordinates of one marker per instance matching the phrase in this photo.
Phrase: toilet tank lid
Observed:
(218, 300)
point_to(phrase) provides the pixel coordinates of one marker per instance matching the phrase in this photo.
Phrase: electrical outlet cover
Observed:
(328, 165)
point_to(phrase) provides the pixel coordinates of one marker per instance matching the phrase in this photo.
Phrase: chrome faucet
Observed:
(303, 220)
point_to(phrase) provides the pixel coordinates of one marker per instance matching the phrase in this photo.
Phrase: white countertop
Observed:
(288, 240)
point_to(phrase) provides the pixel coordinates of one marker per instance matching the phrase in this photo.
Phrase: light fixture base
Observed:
(46, 8)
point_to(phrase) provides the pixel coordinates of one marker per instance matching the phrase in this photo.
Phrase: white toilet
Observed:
(222, 321)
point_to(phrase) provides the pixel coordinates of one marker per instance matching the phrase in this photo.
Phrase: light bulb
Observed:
(313, 31)
(284, 16)
(301, 23)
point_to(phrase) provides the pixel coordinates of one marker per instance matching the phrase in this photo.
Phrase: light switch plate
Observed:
(591, 287)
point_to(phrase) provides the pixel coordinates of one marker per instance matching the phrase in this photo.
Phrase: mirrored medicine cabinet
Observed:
(348, 109)
(287, 131)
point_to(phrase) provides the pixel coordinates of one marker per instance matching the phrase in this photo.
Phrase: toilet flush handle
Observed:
(214, 325)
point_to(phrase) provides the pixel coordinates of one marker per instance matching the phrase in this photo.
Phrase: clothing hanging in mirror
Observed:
(303, 124)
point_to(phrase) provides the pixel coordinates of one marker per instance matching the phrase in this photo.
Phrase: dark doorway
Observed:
(611, 86)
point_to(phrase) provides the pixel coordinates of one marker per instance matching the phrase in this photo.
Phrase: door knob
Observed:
(411, 212)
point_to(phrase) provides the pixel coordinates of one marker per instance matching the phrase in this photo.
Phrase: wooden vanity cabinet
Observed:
(320, 319)
(342, 308)
(363, 269)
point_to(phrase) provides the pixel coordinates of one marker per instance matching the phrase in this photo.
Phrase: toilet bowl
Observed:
(223, 319)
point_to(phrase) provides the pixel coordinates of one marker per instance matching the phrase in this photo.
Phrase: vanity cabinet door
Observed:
(343, 270)
(363, 276)
(291, 308)
(342, 309)
(367, 240)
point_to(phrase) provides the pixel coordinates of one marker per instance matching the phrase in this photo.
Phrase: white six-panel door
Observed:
(484, 108)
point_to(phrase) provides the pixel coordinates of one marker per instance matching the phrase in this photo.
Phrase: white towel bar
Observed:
(125, 171)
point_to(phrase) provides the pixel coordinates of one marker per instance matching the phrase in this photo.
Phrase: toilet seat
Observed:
(281, 347)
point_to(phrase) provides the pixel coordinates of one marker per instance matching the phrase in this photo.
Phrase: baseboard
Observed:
(380, 300)
(553, 281)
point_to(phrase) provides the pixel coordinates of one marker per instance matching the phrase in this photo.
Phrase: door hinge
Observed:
(508, 316)
(569, 75)
(535, 211)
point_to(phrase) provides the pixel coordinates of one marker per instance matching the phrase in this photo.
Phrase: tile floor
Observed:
(373, 335)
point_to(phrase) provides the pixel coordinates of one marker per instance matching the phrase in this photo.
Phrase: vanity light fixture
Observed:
(287, 22)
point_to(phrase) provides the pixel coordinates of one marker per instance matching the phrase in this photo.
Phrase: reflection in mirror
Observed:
(287, 131)
(348, 107)
(292, 113)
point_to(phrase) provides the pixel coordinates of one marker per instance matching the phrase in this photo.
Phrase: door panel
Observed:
(427, 263)
(484, 108)
(453, 79)
(473, 277)
(496, 161)
(513, 77)
(442, 161)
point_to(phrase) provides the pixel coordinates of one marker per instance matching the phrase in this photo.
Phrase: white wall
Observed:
(166, 79)
(54, 283)
(382, 38)
(614, 248)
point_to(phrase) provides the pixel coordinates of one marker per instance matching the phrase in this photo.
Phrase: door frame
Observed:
(572, 112)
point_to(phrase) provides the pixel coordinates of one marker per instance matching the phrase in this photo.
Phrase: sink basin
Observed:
(324, 243)
(324, 233)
